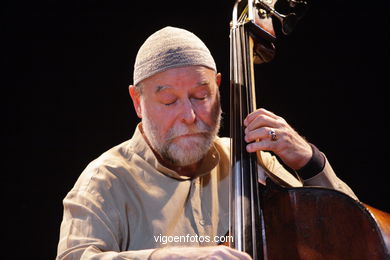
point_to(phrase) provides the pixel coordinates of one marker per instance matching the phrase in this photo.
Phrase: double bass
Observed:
(278, 221)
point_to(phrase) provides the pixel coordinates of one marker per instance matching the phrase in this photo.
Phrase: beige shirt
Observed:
(125, 203)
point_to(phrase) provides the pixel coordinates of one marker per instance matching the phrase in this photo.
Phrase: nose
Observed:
(188, 114)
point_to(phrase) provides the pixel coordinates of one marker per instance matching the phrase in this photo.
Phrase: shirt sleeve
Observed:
(91, 229)
(315, 165)
(326, 177)
(318, 172)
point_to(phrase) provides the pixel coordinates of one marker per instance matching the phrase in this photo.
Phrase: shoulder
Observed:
(106, 170)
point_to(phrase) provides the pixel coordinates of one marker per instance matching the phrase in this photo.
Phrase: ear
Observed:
(218, 79)
(135, 96)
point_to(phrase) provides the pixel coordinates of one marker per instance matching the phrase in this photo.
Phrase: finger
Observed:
(241, 255)
(221, 252)
(262, 145)
(230, 253)
(258, 112)
(262, 121)
(259, 133)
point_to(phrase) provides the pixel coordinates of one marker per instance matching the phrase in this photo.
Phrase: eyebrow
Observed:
(202, 83)
(160, 88)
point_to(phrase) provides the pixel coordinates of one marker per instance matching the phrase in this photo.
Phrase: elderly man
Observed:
(163, 193)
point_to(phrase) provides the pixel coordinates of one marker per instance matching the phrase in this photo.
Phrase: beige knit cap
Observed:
(169, 48)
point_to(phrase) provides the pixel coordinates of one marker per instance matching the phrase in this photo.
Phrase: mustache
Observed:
(178, 130)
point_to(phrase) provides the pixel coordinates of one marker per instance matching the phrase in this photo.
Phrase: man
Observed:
(164, 193)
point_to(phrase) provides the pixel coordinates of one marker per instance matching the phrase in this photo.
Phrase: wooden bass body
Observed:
(318, 223)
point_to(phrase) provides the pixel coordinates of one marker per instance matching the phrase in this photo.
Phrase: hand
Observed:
(288, 145)
(212, 252)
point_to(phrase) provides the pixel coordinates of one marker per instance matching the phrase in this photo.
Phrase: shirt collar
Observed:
(140, 147)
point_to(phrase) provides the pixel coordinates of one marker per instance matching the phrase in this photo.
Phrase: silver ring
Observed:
(273, 135)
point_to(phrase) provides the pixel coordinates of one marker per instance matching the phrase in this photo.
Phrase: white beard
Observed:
(181, 151)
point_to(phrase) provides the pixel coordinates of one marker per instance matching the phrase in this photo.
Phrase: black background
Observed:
(66, 67)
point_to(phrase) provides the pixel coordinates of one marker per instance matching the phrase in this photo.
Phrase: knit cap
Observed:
(169, 48)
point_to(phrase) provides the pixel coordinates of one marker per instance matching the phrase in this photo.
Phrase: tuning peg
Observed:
(299, 7)
(288, 21)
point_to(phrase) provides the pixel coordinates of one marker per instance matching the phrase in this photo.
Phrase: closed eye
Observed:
(201, 98)
(170, 103)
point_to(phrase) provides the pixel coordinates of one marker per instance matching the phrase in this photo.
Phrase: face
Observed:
(180, 112)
